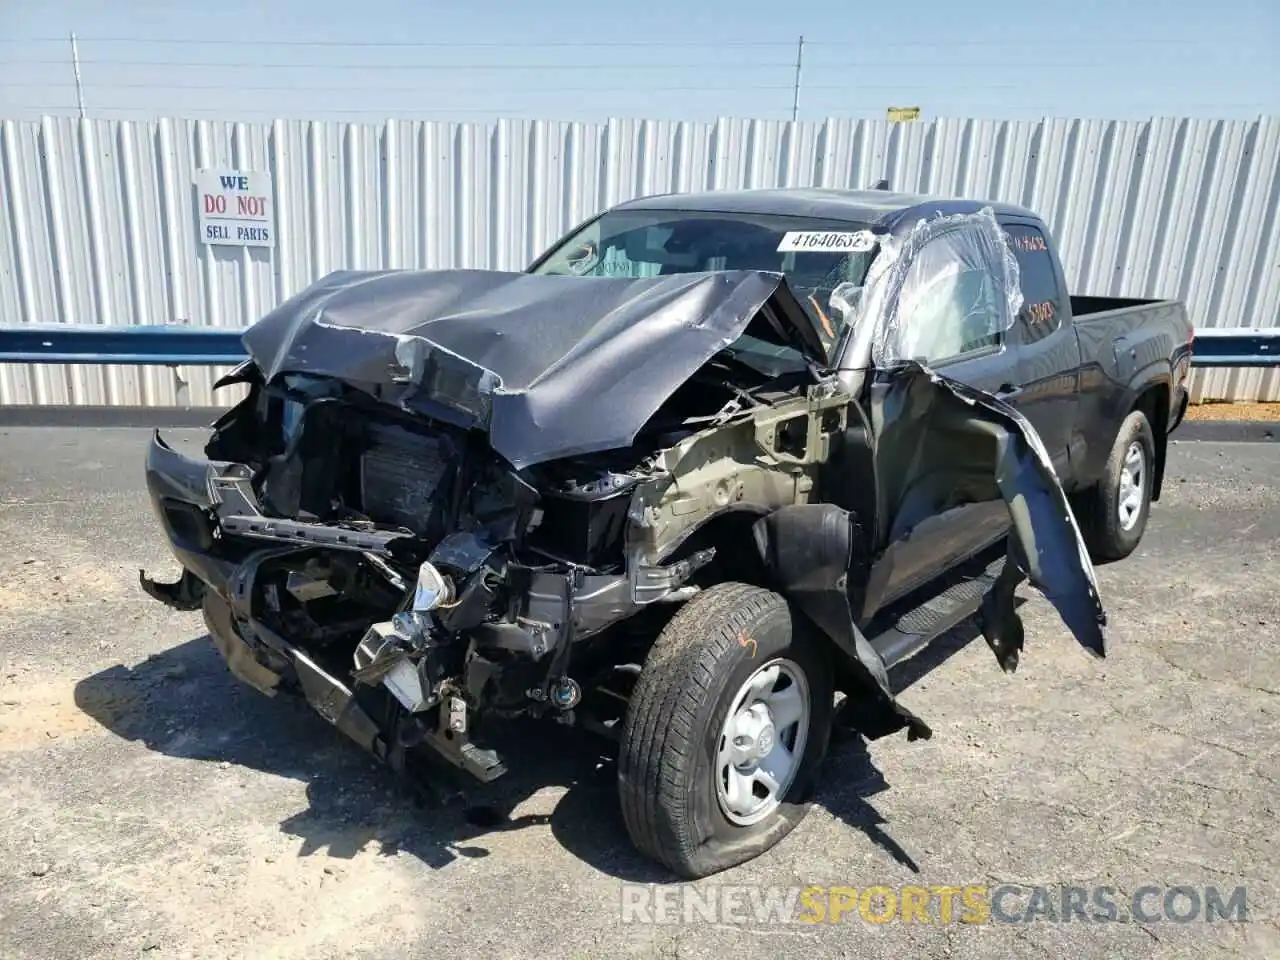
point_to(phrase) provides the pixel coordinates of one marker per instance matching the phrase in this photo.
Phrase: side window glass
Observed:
(1041, 312)
(949, 303)
(623, 255)
(581, 259)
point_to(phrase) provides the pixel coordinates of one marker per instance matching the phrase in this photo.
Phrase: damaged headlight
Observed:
(395, 652)
(386, 655)
(432, 590)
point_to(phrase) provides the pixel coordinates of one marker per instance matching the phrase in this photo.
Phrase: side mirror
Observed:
(582, 259)
(845, 300)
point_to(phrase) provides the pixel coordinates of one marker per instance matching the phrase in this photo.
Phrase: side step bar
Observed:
(909, 626)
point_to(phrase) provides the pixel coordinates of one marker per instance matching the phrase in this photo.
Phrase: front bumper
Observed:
(281, 664)
(218, 532)
(197, 502)
(183, 503)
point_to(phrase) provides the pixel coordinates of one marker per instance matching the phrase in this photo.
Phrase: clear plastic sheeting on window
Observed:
(946, 288)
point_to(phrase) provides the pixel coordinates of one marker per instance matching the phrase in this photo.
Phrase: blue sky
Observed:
(671, 59)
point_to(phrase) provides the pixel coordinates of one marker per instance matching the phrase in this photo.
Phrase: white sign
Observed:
(827, 241)
(237, 207)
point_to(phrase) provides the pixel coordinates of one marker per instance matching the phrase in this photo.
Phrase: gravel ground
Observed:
(151, 806)
(1221, 410)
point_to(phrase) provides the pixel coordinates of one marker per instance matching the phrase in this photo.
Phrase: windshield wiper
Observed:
(730, 358)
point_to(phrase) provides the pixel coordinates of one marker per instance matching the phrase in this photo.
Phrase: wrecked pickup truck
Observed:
(710, 462)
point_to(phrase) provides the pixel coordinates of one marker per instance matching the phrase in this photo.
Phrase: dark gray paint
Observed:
(1074, 386)
(553, 366)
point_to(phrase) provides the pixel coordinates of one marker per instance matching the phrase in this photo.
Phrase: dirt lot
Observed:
(1264, 412)
(150, 806)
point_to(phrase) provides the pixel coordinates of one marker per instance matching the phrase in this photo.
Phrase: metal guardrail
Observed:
(173, 345)
(1238, 347)
(161, 344)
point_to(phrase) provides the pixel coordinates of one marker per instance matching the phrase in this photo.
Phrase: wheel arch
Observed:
(732, 531)
(729, 531)
(1154, 402)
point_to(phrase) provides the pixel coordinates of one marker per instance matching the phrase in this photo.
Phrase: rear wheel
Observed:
(725, 732)
(1113, 514)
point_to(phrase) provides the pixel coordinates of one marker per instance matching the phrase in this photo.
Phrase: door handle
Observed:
(1008, 391)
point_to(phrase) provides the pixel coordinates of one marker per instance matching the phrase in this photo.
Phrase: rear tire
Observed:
(1113, 514)
(725, 732)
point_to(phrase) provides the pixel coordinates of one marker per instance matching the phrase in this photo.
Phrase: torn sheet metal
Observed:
(945, 427)
(553, 366)
(185, 593)
(812, 553)
(941, 441)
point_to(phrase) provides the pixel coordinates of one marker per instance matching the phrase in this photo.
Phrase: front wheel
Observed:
(1113, 514)
(725, 731)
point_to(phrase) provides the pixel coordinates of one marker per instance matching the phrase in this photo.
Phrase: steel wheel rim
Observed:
(1133, 473)
(762, 742)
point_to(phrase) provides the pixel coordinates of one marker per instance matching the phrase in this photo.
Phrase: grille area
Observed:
(400, 474)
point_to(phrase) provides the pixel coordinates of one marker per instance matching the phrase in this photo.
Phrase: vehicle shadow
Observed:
(912, 671)
(184, 703)
(851, 778)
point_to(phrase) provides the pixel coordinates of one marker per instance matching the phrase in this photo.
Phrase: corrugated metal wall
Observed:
(98, 218)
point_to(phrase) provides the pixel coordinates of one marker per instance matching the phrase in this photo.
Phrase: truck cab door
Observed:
(1047, 383)
(929, 517)
(929, 521)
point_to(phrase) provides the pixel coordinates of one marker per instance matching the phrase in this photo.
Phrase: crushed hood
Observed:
(552, 366)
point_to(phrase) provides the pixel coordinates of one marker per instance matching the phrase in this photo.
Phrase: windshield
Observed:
(815, 255)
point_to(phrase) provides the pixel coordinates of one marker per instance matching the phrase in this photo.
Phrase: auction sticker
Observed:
(829, 241)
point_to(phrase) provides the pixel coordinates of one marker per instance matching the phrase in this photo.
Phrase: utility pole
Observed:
(795, 93)
(75, 67)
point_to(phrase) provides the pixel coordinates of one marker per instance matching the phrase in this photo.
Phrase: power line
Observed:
(407, 66)
(524, 88)
(686, 44)
(423, 44)
(465, 70)
(458, 67)
(387, 113)
(843, 63)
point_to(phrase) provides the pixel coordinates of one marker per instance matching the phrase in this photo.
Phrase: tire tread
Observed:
(660, 732)
(1095, 507)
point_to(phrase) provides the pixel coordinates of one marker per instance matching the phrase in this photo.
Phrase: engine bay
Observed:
(400, 558)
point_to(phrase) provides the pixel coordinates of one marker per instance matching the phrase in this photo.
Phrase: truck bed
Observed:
(1132, 320)
(1084, 306)
(1128, 345)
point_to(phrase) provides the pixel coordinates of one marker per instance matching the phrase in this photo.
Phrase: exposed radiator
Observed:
(400, 472)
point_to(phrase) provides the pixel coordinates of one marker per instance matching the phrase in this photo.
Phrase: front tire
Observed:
(1113, 514)
(725, 732)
